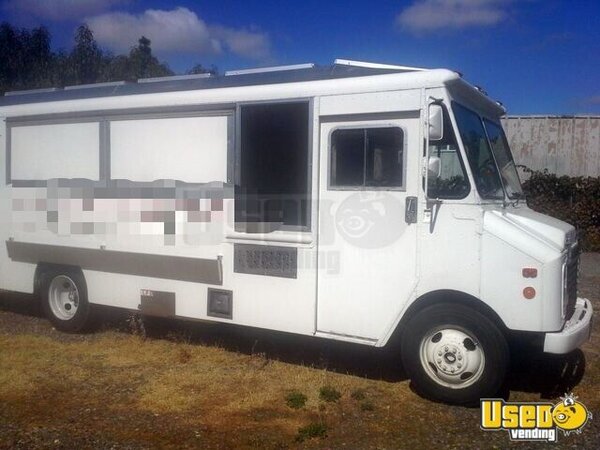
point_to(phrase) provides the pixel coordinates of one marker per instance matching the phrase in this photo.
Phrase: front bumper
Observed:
(575, 332)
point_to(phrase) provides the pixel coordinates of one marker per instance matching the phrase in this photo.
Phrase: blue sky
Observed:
(536, 56)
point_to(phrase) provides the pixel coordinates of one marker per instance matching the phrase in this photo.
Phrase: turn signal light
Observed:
(529, 272)
(529, 293)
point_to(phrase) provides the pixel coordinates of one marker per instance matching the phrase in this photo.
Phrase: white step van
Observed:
(355, 202)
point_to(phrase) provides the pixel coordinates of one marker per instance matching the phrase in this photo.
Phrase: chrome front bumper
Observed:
(576, 331)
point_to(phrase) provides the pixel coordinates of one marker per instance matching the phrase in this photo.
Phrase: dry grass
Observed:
(126, 376)
(168, 394)
(115, 389)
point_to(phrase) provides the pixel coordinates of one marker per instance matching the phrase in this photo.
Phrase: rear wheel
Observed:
(454, 354)
(64, 299)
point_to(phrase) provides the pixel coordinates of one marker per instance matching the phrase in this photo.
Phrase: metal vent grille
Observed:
(220, 303)
(266, 260)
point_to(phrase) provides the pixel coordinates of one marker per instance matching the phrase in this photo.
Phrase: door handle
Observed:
(410, 213)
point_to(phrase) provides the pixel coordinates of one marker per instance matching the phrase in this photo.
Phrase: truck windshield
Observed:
(489, 156)
(504, 159)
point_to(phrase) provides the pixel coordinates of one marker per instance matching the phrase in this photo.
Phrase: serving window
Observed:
(272, 169)
(59, 150)
(189, 149)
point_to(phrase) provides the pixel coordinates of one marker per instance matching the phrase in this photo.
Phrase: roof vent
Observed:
(95, 85)
(31, 91)
(501, 105)
(270, 69)
(370, 65)
(480, 89)
(195, 76)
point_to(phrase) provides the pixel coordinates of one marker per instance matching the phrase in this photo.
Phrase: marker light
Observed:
(529, 272)
(529, 293)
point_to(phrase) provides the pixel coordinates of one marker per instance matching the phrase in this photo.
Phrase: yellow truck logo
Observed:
(538, 421)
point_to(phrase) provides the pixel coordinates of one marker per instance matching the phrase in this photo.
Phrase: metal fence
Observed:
(563, 145)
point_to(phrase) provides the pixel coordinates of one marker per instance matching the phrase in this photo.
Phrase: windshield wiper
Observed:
(516, 197)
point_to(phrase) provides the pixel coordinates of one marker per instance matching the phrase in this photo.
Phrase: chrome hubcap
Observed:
(452, 357)
(63, 297)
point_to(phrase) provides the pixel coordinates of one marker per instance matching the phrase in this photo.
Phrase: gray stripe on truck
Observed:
(195, 270)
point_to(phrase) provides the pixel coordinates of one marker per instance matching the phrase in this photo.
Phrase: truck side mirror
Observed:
(434, 167)
(436, 122)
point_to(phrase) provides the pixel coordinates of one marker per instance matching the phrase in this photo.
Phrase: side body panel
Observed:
(318, 291)
(14, 276)
(133, 230)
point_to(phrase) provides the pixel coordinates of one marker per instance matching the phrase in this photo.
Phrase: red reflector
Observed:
(529, 293)
(529, 272)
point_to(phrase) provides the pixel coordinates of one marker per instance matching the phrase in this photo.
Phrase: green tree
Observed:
(10, 56)
(38, 58)
(117, 69)
(26, 60)
(143, 64)
(199, 69)
(87, 60)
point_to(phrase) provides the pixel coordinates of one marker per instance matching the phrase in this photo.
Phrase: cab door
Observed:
(367, 238)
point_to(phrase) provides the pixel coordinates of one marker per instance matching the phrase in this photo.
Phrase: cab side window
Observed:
(363, 158)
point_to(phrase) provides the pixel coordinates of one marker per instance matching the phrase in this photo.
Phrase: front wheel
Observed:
(454, 354)
(64, 299)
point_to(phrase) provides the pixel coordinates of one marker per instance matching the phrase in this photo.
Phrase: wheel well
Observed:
(452, 297)
(43, 268)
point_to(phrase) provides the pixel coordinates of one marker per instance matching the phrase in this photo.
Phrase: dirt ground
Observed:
(129, 385)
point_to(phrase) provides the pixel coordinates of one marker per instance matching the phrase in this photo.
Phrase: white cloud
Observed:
(425, 16)
(252, 44)
(179, 30)
(59, 10)
(176, 31)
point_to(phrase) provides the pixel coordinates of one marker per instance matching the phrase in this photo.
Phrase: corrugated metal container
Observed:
(565, 145)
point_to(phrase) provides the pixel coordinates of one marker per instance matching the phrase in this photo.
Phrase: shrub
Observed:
(329, 394)
(312, 430)
(367, 406)
(575, 200)
(358, 394)
(295, 400)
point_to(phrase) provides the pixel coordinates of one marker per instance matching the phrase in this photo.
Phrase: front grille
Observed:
(571, 281)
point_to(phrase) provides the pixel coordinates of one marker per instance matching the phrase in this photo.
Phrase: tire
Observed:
(454, 354)
(64, 299)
